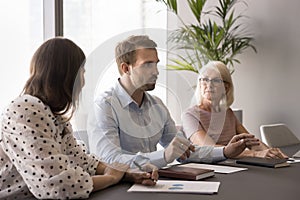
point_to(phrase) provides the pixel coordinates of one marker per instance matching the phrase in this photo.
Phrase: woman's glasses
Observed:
(214, 81)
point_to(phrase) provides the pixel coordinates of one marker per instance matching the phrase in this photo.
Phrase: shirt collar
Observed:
(124, 98)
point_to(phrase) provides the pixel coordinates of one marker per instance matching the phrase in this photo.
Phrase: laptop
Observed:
(297, 155)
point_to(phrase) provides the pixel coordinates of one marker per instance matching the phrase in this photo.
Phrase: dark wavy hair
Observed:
(53, 71)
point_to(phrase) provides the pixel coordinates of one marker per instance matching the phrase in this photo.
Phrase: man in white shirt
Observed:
(127, 123)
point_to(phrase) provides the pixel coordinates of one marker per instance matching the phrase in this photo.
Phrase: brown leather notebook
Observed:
(187, 173)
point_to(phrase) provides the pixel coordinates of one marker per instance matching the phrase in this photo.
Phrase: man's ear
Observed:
(125, 68)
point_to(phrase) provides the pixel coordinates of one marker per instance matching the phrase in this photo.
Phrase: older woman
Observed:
(212, 121)
(39, 155)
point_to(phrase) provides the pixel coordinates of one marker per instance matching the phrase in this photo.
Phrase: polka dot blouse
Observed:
(36, 159)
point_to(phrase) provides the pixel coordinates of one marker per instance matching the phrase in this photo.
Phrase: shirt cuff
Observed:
(157, 158)
(218, 154)
(206, 154)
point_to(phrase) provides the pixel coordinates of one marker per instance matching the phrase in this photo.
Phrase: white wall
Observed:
(266, 83)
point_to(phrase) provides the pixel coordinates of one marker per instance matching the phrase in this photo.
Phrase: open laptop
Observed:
(297, 154)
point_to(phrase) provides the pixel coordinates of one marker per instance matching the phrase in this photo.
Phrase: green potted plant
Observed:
(218, 34)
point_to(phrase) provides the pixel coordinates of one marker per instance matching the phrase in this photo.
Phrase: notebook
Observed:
(187, 173)
(263, 162)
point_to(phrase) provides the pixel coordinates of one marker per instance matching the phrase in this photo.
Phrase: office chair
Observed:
(277, 135)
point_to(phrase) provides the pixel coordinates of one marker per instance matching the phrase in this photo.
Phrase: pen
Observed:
(141, 168)
(138, 166)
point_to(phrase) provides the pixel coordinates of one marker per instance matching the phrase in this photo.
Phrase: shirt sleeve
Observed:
(170, 130)
(236, 120)
(43, 158)
(78, 156)
(103, 131)
(190, 123)
(207, 154)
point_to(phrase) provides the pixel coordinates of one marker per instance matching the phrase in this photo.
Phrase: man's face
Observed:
(144, 72)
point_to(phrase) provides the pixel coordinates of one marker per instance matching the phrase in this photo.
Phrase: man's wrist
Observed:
(165, 157)
(224, 152)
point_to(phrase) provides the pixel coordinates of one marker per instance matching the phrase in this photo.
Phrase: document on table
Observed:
(293, 160)
(218, 168)
(202, 187)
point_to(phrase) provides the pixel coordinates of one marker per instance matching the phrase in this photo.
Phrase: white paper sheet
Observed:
(174, 186)
(218, 168)
(293, 160)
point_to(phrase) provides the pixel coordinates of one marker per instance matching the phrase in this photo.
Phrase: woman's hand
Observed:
(116, 171)
(148, 177)
(108, 174)
(270, 153)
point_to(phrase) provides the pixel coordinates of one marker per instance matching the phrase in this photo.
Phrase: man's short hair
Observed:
(125, 51)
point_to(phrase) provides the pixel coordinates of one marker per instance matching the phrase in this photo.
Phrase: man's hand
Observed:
(148, 175)
(238, 144)
(179, 147)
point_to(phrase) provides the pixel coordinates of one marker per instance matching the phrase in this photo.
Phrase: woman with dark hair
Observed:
(38, 154)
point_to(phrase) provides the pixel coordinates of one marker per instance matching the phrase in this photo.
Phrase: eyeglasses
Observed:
(214, 81)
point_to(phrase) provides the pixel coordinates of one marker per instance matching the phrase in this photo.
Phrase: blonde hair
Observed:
(224, 72)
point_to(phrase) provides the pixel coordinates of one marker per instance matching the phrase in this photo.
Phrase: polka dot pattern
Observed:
(37, 158)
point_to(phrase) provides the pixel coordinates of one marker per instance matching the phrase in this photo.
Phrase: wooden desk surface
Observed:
(253, 184)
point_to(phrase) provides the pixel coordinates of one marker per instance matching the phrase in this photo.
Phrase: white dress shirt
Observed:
(121, 131)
